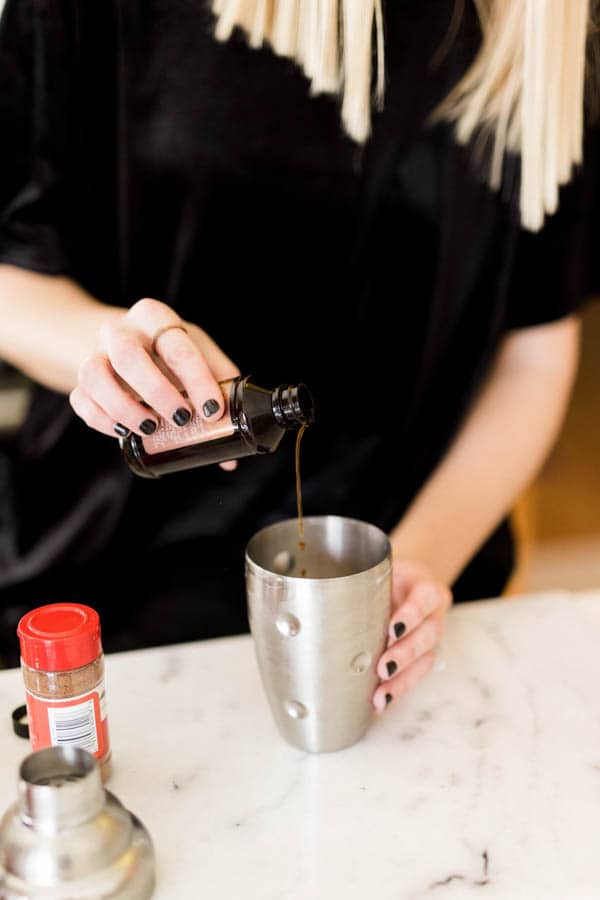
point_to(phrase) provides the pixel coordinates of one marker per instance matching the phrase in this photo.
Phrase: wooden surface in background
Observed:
(558, 519)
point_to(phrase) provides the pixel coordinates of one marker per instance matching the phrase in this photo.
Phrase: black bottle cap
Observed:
(293, 406)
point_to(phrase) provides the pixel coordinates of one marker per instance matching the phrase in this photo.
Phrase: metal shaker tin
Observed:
(319, 610)
(67, 838)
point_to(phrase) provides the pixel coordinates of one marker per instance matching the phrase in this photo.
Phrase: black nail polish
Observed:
(181, 416)
(121, 430)
(388, 699)
(391, 667)
(210, 407)
(399, 629)
(148, 426)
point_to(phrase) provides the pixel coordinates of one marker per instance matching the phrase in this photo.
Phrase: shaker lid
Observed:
(59, 637)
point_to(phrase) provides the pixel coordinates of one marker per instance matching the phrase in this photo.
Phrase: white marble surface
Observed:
(485, 781)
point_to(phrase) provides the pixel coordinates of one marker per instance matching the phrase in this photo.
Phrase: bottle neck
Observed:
(293, 406)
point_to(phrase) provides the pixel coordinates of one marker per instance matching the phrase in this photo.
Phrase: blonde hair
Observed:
(524, 92)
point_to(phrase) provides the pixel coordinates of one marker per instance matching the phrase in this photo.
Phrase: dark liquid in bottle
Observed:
(301, 542)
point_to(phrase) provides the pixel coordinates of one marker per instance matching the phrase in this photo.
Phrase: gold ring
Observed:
(162, 330)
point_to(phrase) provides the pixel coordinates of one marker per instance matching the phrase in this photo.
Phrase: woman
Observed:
(152, 153)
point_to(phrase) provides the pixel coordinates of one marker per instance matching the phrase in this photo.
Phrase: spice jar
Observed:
(63, 670)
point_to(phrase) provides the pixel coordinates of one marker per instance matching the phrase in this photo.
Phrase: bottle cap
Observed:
(293, 405)
(60, 637)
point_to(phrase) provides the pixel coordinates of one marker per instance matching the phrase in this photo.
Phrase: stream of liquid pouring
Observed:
(301, 543)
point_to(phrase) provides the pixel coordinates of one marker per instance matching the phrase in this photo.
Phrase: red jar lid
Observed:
(59, 637)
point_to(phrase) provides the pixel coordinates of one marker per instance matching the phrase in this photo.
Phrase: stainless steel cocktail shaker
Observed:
(319, 606)
(68, 839)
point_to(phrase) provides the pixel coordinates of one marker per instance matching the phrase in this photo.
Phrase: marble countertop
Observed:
(485, 781)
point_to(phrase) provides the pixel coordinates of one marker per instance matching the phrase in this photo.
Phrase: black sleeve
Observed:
(35, 55)
(552, 270)
(594, 156)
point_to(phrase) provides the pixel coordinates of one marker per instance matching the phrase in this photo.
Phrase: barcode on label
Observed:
(74, 726)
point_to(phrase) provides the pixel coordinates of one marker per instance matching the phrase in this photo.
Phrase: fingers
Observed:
(404, 652)
(196, 362)
(99, 386)
(183, 358)
(223, 368)
(135, 381)
(94, 416)
(403, 682)
(415, 629)
(421, 601)
(131, 361)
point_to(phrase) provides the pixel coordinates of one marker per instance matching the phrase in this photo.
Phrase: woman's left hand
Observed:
(419, 605)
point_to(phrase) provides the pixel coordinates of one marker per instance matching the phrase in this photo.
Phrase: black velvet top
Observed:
(142, 158)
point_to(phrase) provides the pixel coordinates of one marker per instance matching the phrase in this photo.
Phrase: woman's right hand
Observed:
(140, 369)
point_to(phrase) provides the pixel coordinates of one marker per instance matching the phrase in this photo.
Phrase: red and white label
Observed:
(74, 722)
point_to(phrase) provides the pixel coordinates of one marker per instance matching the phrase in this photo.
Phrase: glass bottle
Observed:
(254, 421)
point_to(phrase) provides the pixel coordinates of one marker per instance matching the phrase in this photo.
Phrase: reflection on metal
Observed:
(283, 562)
(295, 709)
(361, 663)
(287, 624)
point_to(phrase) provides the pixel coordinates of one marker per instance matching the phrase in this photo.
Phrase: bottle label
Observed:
(73, 722)
(169, 436)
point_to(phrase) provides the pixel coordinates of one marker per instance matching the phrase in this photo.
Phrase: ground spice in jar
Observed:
(63, 670)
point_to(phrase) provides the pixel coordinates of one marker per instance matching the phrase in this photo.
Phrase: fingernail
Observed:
(121, 430)
(399, 629)
(148, 426)
(391, 667)
(388, 699)
(210, 408)
(182, 416)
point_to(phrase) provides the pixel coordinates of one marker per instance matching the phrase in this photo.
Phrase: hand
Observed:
(419, 605)
(127, 371)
